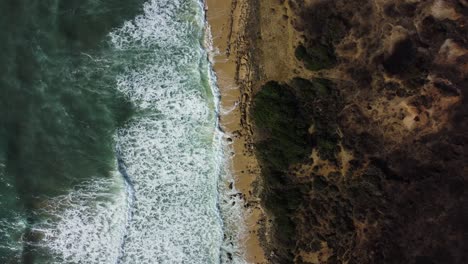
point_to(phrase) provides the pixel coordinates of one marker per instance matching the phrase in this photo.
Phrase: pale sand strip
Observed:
(227, 21)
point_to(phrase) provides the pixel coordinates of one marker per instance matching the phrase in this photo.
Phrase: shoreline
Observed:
(226, 21)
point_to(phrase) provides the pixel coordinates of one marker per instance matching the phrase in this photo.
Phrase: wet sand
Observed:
(226, 19)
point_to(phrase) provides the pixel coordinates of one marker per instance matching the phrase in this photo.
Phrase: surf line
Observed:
(227, 212)
(223, 212)
(130, 190)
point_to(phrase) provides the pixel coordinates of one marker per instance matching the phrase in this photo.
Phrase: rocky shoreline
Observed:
(229, 24)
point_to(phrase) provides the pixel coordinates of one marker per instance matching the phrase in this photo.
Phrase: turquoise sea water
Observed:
(109, 151)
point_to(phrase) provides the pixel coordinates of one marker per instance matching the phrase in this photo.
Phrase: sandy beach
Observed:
(226, 19)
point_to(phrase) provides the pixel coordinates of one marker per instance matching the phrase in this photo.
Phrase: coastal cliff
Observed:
(356, 111)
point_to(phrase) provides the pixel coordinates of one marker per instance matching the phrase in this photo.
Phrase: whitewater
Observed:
(168, 200)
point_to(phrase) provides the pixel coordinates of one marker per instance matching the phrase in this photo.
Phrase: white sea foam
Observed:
(171, 149)
(88, 224)
(172, 153)
(231, 206)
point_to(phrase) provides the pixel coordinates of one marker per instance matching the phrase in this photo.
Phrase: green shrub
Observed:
(310, 90)
(317, 57)
(283, 114)
(276, 112)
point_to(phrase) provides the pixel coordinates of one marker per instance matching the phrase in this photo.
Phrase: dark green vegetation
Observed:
(276, 113)
(317, 57)
(284, 114)
(402, 197)
(321, 104)
(297, 115)
(325, 29)
(59, 108)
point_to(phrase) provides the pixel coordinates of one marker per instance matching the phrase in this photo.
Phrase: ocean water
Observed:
(109, 146)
